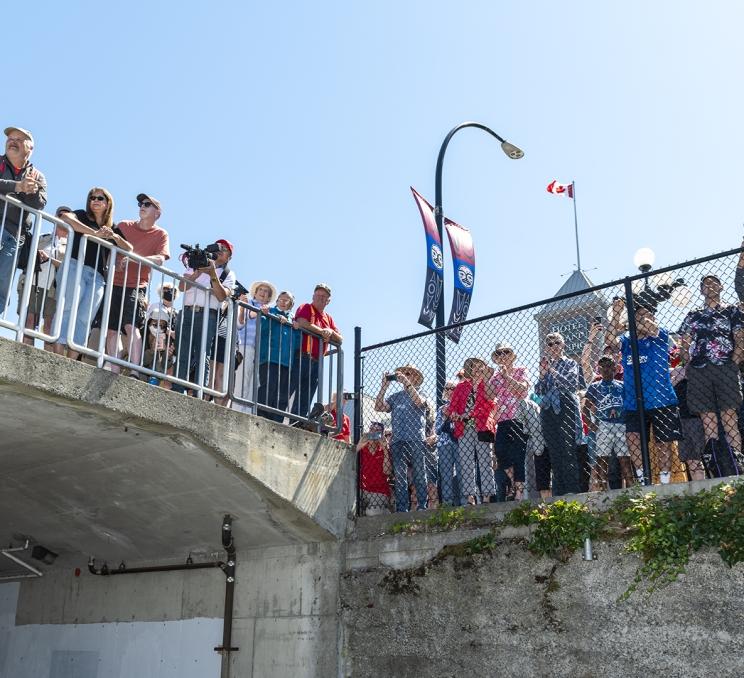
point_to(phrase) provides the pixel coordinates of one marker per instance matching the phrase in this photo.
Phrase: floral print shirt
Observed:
(711, 331)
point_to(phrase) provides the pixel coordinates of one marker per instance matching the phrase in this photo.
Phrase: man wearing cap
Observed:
(129, 293)
(21, 180)
(314, 322)
(713, 344)
(260, 295)
(659, 399)
(202, 306)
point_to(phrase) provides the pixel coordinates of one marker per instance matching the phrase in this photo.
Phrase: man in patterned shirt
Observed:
(713, 338)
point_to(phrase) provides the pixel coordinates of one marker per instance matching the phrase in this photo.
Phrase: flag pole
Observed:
(576, 225)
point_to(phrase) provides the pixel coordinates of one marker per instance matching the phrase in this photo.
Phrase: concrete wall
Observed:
(509, 613)
(167, 624)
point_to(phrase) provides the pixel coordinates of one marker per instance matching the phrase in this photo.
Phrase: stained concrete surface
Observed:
(101, 465)
(406, 612)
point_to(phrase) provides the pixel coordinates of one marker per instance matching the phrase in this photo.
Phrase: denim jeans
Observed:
(413, 452)
(91, 295)
(447, 459)
(303, 383)
(190, 353)
(7, 270)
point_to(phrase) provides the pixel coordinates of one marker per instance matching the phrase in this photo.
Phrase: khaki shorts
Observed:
(35, 302)
(713, 387)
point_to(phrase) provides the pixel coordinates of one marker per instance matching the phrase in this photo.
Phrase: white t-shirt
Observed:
(196, 297)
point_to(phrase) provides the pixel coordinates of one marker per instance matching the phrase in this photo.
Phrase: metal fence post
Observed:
(633, 332)
(358, 412)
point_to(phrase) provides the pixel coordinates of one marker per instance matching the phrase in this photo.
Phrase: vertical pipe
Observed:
(633, 332)
(358, 413)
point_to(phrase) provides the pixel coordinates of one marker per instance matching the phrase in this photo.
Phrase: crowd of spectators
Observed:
(500, 434)
(144, 330)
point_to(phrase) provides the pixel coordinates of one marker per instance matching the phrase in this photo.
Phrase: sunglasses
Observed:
(144, 203)
(97, 198)
(553, 343)
(504, 351)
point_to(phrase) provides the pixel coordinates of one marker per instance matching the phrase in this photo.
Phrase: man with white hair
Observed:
(21, 180)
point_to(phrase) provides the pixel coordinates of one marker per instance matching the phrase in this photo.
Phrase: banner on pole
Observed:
(463, 264)
(434, 263)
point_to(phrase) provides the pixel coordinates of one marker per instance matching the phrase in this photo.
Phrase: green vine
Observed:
(663, 531)
(560, 527)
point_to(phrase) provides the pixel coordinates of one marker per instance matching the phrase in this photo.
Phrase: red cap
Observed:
(225, 243)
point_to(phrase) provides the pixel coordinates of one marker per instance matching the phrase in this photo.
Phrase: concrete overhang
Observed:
(102, 465)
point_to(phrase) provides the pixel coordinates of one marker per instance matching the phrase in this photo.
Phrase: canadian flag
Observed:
(560, 189)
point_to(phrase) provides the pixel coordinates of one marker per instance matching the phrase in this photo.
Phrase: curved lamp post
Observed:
(512, 152)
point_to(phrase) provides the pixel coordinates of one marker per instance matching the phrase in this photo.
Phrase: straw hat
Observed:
(418, 375)
(262, 283)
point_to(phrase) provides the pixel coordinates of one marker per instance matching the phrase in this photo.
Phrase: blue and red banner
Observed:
(434, 263)
(463, 264)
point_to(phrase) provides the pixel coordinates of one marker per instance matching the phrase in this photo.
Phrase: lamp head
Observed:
(644, 259)
(511, 150)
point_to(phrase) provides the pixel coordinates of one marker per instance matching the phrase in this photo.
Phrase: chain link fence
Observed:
(633, 381)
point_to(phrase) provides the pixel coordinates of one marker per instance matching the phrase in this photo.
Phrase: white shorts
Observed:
(611, 440)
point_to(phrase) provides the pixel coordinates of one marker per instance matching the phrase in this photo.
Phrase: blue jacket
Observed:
(278, 340)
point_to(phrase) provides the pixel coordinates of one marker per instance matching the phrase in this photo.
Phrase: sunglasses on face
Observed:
(144, 203)
(553, 343)
(504, 351)
(97, 198)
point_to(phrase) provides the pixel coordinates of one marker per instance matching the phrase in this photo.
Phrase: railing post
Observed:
(633, 332)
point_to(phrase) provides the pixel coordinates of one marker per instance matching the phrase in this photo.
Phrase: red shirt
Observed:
(481, 410)
(311, 343)
(145, 243)
(345, 434)
(371, 470)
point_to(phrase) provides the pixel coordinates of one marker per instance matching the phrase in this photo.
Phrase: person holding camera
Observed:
(447, 460)
(129, 294)
(470, 410)
(202, 306)
(21, 180)
(559, 382)
(375, 470)
(410, 412)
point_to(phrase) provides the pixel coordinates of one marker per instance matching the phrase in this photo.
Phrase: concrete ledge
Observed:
(62, 415)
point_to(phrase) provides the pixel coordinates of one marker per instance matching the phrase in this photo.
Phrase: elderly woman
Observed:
(278, 344)
(97, 219)
(261, 294)
(560, 380)
(509, 384)
(470, 409)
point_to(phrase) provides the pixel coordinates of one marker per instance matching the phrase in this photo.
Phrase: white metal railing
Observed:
(278, 380)
(40, 219)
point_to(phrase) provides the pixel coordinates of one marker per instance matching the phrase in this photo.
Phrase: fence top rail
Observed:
(40, 213)
(552, 300)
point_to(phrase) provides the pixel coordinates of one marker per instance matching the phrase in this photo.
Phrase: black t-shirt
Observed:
(93, 257)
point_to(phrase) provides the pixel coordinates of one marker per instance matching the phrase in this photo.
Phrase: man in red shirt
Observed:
(316, 325)
(129, 294)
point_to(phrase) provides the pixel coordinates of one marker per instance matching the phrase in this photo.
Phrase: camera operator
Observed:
(375, 470)
(200, 307)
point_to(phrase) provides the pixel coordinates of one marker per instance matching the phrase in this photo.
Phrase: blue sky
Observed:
(295, 130)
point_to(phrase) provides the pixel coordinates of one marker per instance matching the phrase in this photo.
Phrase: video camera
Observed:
(197, 257)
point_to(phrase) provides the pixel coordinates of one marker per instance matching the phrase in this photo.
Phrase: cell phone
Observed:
(374, 435)
(391, 377)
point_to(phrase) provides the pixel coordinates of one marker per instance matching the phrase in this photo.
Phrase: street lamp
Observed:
(513, 152)
(644, 259)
